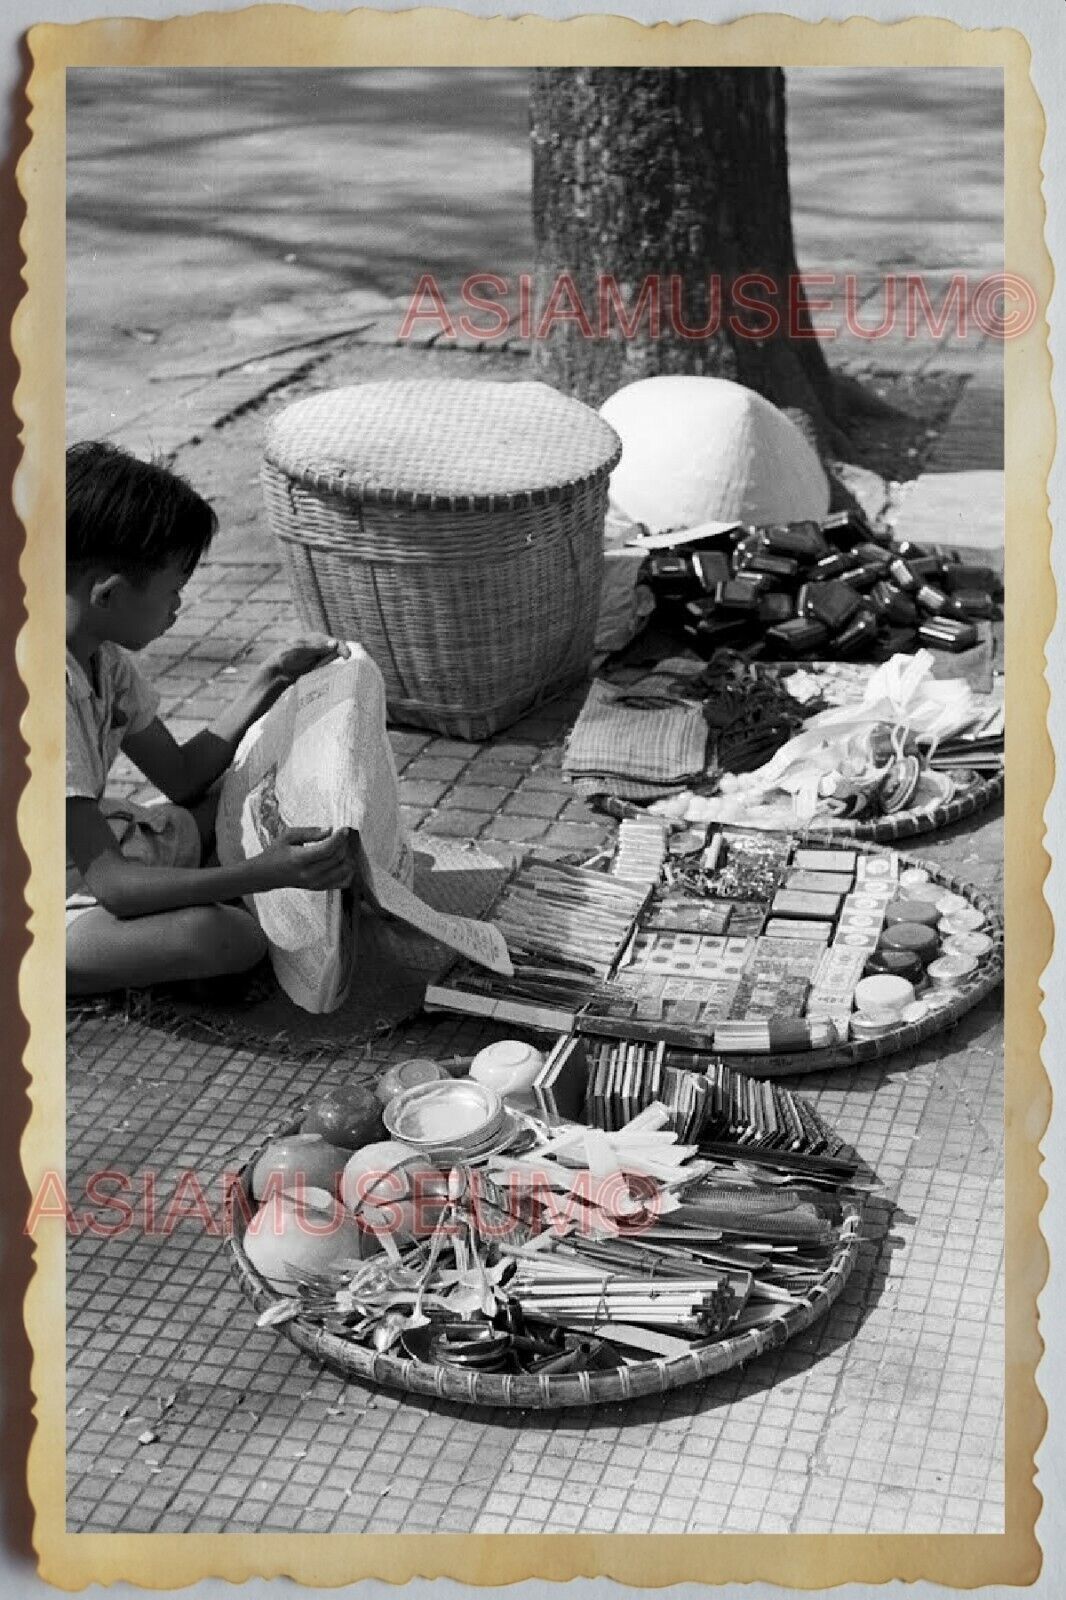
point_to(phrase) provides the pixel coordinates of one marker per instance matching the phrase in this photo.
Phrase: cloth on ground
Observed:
(651, 741)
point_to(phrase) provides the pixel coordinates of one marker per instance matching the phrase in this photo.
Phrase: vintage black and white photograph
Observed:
(534, 800)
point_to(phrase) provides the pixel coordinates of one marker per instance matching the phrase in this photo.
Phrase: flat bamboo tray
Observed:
(540, 1392)
(986, 979)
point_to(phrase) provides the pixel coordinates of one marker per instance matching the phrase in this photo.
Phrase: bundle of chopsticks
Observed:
(566, 921)
(722, 1248)
(577, 1287)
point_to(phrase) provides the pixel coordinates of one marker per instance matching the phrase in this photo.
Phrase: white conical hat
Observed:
(700, 450)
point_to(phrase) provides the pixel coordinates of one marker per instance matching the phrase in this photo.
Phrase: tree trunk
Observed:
(676, 177)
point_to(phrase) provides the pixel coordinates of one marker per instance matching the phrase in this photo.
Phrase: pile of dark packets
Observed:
(838, 589)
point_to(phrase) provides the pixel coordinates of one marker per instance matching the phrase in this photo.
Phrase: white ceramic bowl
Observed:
(453, 1115)
(510, 1066)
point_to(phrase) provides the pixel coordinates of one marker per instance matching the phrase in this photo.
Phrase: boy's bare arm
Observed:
(307, 858)
(184, 772)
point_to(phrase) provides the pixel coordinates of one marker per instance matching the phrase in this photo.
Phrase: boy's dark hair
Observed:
(131, 515)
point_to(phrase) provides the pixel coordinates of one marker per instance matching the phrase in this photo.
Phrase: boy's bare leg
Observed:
(106, 952)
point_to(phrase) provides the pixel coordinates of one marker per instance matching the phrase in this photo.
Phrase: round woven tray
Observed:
(528, 1391)
(984, 981)
(455, 529)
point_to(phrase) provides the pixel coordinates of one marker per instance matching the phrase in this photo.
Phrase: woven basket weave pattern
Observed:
(435, 444)
(473, 584)
(905, 824)
(546, 1391)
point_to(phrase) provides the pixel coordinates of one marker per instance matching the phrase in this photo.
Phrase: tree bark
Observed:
(676, 177)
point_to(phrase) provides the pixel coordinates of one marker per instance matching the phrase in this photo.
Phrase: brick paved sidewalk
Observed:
(886, 1416)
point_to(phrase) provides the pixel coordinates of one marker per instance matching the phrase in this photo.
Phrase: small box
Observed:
(876, 554)
(798, 903)
(670, 574)
(926, 566)
(802, 539)
(860, 632)
(857, 939)
(891, 603)
(832, 566)
(800, 957)
(903, 576)
(863, 576)
(801, 636)
(948, 633)
(787, 928)
(973, 603)
(871, 867)
(962, 575)
(738, 594)
(831, 603)
(826, 860)
(845, 529)
(838, 883)
(711, 569)
(930, 599)
(783, 568)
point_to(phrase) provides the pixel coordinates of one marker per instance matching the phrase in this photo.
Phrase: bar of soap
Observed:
(824, 860)
(819, 882)
(798, 903)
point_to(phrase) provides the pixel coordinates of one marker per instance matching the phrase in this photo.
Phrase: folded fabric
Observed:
(591, 785)
(637, 735)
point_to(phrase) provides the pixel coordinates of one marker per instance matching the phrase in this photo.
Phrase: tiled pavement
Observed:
(886, 1416)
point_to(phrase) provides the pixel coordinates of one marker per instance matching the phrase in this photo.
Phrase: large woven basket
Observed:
(550, 1391)
(455, 530)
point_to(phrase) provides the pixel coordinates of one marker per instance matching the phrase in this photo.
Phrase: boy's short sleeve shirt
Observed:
(117, 700)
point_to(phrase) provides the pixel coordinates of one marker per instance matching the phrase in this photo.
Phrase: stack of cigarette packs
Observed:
(606, 1083)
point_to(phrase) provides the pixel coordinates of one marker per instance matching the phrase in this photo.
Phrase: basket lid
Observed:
(450, 443)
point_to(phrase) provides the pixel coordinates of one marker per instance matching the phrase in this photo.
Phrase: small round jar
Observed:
(914, 936)
(863, 1027)
(963, 919)
(946, 972)
(967, 944)
(897, 964)
(882, 998)
(912, 878)
(948, 902)
(909, 910)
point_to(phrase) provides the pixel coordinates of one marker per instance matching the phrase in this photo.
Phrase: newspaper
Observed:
(320, 757)
(481, 942)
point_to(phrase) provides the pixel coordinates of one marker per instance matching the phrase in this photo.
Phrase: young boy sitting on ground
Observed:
(142, 908)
